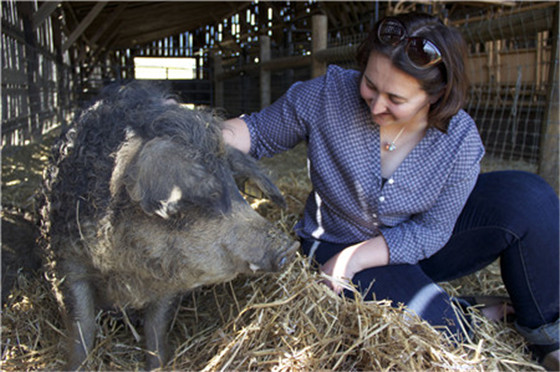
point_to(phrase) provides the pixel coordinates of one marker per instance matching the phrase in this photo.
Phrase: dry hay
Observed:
(288, 321)
(281, 322)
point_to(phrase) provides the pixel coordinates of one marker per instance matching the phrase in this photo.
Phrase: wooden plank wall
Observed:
(36, 83)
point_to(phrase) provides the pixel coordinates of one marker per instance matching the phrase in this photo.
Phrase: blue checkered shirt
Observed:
(417, 207)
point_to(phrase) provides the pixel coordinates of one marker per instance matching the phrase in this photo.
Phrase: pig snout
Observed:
(287, 256)
(277, 260)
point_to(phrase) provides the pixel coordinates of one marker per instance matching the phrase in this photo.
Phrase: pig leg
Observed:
(81, 322)
(156, 321)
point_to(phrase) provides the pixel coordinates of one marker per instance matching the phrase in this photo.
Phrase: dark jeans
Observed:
(510, 215)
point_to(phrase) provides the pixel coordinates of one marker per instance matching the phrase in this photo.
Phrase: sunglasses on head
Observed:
(421, 52)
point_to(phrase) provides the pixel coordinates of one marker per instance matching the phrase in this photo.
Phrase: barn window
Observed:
(164, 68)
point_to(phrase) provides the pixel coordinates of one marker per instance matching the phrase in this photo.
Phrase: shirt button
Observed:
(382, 199)
(374, 215)
(375, 224)
(390, 181)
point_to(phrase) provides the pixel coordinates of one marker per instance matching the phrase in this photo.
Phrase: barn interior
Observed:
(238, 57)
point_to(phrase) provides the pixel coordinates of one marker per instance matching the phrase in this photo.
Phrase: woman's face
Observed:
(394, 97)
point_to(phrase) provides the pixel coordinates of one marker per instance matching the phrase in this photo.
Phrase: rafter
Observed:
(107, 24)
(84, 24)
(45, 10)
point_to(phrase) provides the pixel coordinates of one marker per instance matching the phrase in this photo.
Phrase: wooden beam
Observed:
(508, 25)
(281, 63)
(482, 3)
(148, 37)
(550, 132)
(46, 9)
(84, 24)
(169, 14)
(523, 9)
(110, 21)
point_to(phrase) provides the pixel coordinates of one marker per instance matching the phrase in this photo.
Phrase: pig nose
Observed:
(276, 261)
(282, 261)
(287, 256)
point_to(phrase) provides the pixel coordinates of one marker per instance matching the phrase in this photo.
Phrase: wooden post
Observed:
(218, 82)
(539, 60)
(319, 42)
(498, 55)
(548, 159)
(264, 73)
(489, 45)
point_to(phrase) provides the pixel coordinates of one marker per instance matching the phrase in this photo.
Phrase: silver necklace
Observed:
(391, 146)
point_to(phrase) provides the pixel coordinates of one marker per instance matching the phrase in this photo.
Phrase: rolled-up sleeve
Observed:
(284, 124)
(423, 234)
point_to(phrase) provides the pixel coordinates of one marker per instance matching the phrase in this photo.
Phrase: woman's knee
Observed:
(518, 187)
(515, 199)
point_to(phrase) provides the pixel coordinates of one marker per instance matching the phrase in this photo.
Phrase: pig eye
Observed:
(168, 177)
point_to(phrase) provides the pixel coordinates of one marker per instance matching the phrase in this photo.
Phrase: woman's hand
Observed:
(236, 134)
(342, 267)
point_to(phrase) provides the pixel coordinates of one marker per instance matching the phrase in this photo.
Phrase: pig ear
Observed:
(244, 168)
(166, 178)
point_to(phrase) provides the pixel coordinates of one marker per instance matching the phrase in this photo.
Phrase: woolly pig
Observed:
(143, 205)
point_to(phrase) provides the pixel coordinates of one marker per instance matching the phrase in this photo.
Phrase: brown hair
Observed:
(445, 82)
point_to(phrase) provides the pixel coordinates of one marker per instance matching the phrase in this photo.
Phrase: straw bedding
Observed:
(287, 321)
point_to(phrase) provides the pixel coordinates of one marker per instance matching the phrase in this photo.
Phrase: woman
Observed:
(397, 201)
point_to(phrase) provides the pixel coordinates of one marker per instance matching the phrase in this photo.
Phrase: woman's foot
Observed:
(548, 356)
(495, 308)
(497, 313)
(551, 361)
